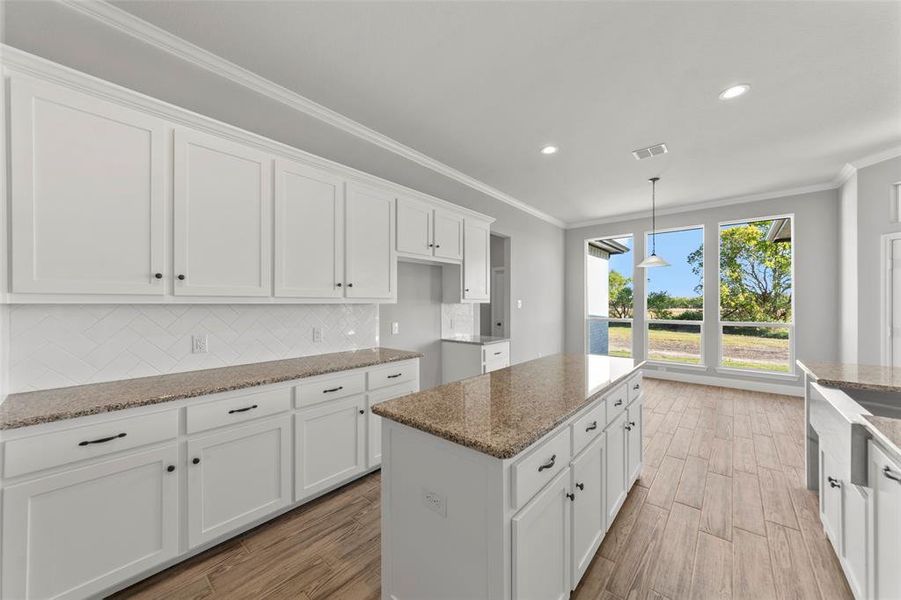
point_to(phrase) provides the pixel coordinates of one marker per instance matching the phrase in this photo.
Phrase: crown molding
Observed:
(844, 175)
(877, 157)
(161, 39)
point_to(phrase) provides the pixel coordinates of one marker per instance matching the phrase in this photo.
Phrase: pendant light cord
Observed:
(654, 215)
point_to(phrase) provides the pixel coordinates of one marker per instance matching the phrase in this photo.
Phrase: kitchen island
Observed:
(503, 485)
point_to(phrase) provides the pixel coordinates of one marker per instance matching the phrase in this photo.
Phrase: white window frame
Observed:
(702, 365)
(792, 367)
(585, 316)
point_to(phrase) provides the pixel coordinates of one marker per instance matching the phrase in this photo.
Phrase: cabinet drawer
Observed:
(494, 365)
(534, 471)
(616, 403)
(589, 426)
(320, 390)
(393, 374)
(88, 441)
(496, 352)
(634, 387)
(239, 409)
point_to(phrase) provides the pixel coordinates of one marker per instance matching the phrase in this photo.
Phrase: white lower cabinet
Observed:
(541, 544)
(76, 533)
(588, 514)
(885, 481)
(633, 441)
(616, 474)
(374, 422)
(329, 444)
(236, 476)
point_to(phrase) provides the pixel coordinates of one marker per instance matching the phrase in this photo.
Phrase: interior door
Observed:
(588, 518)
(237, 475)
(222, 217)
(414, 227)
(448, 236)
(309, 232)
(88, 193)
(370, 259)
(329, 444)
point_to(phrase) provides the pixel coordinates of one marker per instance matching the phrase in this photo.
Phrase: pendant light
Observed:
(653, 260)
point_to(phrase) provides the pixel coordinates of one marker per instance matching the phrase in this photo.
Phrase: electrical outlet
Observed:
(317, 334)
(452, 325)
(200, 344)
(395, 328)
(434, 502)
(519, 304)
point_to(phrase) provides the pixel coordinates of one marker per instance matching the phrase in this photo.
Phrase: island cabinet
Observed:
(885, 523)
(519, 515)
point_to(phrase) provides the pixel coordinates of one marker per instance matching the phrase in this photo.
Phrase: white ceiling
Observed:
(482, 86)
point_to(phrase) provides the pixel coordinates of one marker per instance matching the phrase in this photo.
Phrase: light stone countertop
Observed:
(479, 340)
(504, 412)
(32, 408)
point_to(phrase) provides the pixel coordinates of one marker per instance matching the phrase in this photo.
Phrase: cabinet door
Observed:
(448, 237)
(541, 545)
(588, 518)
(236, 476)
(616, 466)
(370, 259)
(830, 497)
(885, 479)
(76, 533)
(329, 446)
(855, 502)
(414, 227)
(309, 232)
(633, 442)
(222, 217)
(87, 200)
(374, 422)
(476, 260)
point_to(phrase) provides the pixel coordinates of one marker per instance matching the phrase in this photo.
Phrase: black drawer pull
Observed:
(592, 427)
(834, 482)
(632, 423)
(498, 353)
(581, 486)
(628, 427)
(395, 376)
(887, 471)
(548, 464)
(170, 468)
(636, 386)
(102, 440)
(572, 497)
(618, 403)
(239, 410)
(340, 387)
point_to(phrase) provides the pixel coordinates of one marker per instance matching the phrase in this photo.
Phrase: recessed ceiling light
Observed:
(549, 150)
(735, 91)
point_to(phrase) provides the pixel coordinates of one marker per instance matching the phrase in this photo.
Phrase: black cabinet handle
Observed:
(170, 468)
(395, 376)
(498, 353)
(102, 440)
(466, 290)
(548, 464)
(628, 428)
(636, 386)
(350, 285)
(158, 275)
(581, 486)
(592, 427)
(632, 423)
(240, 410)
(340, 387)
(196, 461)
(834, 482)
(431, 245)
(181, 277)
(338, 284)
(572, 497)
(618, 403)
(362, 412)
(437, 245)
(887, 471)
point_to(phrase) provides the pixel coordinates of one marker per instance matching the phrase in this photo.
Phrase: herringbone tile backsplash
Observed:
(60, 345)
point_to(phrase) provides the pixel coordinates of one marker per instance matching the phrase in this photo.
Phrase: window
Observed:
(755, 295)
(675, 298)
(609, 301)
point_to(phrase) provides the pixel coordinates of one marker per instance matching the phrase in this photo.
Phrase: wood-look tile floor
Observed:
(720, 511)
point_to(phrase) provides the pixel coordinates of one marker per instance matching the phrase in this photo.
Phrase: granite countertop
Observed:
(474, 339)
(503, 412)
(32, 408)
(851, 376)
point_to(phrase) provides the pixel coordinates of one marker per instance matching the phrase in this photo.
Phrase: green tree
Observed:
(620, 290)
(659, 304)
(755, 274)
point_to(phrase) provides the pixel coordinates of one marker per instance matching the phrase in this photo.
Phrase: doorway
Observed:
(494, 317)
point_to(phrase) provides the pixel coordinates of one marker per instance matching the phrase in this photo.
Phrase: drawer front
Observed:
(616, 403)
(229, 411)
(496, 352)
(393, 374)
(322, 390)
(589, 426)
(634, 387)
(494, 365)
(538, 468)
(48, 450)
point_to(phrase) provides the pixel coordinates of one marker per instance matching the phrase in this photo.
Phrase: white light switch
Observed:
(519, 304)
(395, 328)
(317, 334)
(200, 344)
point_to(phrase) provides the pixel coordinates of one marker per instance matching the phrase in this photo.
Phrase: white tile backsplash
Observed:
(458, 318)
(60, 345)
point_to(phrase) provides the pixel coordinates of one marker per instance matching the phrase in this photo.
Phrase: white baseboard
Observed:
(728, 382)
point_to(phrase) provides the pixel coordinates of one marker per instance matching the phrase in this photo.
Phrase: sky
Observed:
(674, 246)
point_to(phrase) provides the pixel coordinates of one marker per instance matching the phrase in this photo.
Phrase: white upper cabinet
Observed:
(414, 227)
(222, 217)
(309, 232)
(370, 260)
(476, 260)
(448, 236)
(87, 180)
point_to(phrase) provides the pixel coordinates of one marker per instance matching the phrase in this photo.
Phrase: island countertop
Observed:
(504, 412)
(852, 376)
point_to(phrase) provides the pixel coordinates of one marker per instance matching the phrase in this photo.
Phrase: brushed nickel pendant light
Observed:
(653, 260)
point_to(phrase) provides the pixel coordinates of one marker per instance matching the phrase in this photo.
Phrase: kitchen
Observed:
(262, 334)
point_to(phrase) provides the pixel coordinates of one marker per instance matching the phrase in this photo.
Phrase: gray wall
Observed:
(52, 31)
(418, 314)
(816, 270)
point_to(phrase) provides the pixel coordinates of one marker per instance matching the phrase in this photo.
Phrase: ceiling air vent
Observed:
(650, 151)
